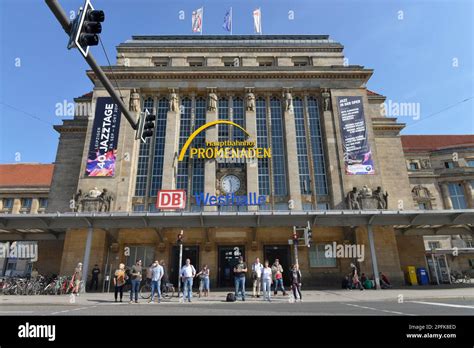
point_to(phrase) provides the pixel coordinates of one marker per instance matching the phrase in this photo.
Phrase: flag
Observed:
(228, 20)
(257, 21)
(197, 20)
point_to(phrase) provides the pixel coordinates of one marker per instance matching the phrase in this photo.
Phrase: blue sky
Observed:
(425, 58)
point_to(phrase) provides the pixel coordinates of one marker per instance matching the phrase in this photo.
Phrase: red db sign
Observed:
(171, 199)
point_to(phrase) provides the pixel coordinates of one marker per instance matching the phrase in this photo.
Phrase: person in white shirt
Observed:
(266, 281)
(257, 268)
(156, 272)
(187, 274)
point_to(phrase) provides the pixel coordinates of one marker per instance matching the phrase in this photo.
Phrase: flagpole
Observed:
(202, 20)
(261, 26)
(231, 21)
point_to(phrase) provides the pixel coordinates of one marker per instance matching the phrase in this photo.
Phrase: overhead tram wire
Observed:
(110, 66)
(27, 113)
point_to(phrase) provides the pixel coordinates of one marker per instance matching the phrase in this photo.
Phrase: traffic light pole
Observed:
(180, 242)
(66, 24)
(295, 244)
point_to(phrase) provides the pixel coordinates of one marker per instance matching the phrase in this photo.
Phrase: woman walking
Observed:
(204, 281)
(267, 281)
(119, 281)
(296, 282)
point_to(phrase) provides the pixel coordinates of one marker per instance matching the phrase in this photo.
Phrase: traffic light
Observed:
(146, 126)
(180, 238)
(308, 236)
(85, 27)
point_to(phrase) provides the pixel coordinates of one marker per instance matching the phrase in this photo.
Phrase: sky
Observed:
(422, 53)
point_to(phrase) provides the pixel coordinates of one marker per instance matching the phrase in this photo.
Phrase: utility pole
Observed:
(69, 29)
(180, 244)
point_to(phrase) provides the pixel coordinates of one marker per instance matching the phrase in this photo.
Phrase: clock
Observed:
(230, 183)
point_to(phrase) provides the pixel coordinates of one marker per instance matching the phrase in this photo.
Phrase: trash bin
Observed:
(422, 274)
(411, 275)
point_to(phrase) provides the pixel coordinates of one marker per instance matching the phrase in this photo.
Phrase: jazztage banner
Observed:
(103, 146)
(357, 154)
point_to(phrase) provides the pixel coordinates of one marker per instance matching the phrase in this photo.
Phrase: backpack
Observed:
(230, 297)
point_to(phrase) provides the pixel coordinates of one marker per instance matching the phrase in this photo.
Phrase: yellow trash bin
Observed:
(411, 275)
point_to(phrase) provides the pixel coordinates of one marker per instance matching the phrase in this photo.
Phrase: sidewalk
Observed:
(314, 296)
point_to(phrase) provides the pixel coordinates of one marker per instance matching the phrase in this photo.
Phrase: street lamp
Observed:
(180, 244)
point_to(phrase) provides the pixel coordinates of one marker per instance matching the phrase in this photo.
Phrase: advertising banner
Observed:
(357, 154)
(103, 146)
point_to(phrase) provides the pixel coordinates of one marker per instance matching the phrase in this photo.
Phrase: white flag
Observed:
(257, 21)
(197, 20)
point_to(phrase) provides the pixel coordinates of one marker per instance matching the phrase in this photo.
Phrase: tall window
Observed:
(456, 193)
(223, 129)
(278, 148)
(199, 141)
(317, 147)
(184, 133)
(301, 148)
(159, 151)
(262, 141)
(317, 257)
(143, 157)
(239, 118)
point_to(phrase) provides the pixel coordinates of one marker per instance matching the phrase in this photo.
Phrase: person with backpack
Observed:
(267, 275)
(188, 272)
(296, 282)
(204, 281)
(240, 270)
(120, 277)
(277, 270)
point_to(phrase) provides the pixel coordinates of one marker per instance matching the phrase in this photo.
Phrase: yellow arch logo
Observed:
(203, 127)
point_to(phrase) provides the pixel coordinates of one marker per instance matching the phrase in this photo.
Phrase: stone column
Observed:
(16, 206)
(170, 160)
(448, 204)
(34, 206)
(468, 193)
(210, 165)
(252, 168)
(292, 158)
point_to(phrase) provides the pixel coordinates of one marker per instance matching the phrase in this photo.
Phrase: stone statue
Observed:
(288, 101)
(134, 101)
(212, 102)
(381, 198)
(78, 197)
(250, 101)
(94, 193)
(425, 163)
(105, 201)
(174, 101)
(326, 99)
(366, 191)
(353, 199)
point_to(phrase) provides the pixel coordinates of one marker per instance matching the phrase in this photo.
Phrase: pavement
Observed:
(409, 301)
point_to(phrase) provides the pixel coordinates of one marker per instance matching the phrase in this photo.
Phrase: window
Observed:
(7, 203)
(317, 257)
(199, 141)
(317, 148)
(143, 157)
(160, 62)
(43, 202)
(230, 62)
(159, 147)
(196, 62)
(138, 207)
(470, 162)
(434, 245)
(469, 243)
(301, 61)
(184, 132)
(307, 206)
(281, 206)
(323, 206)
(144, 253)
(265, 61)
(301, 147)
(449, 164)
(262, 141)
(414, 166)
(278, 148)
(456, 193)
(423, 206)
(26, 203)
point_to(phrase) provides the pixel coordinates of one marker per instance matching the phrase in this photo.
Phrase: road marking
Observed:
(378, 310)
(71, 310)
(9, 312)
(443, 304)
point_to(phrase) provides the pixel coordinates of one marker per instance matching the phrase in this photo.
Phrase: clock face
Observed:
(230, 184)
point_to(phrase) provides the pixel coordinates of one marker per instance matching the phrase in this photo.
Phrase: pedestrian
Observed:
(204, 281)
(277, 271)
(188, 272)
(267, 281)
(156, 276)
(76, 279)
(296, 282)
(256, 277)
(165, 279)
(356, 284)
(240, 270)
(136, 277)
(95, 277)
(384, 282)
(120, 277)
(34, 274)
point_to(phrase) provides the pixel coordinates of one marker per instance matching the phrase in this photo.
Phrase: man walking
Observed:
(157, 273)
(240, 270)
(187, 274)
(95, 277)
(257, 268)
(136, 277)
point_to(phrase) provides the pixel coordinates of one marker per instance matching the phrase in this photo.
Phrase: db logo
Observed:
(171, 199)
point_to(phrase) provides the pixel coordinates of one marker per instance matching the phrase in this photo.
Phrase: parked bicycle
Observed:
(460, 278)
